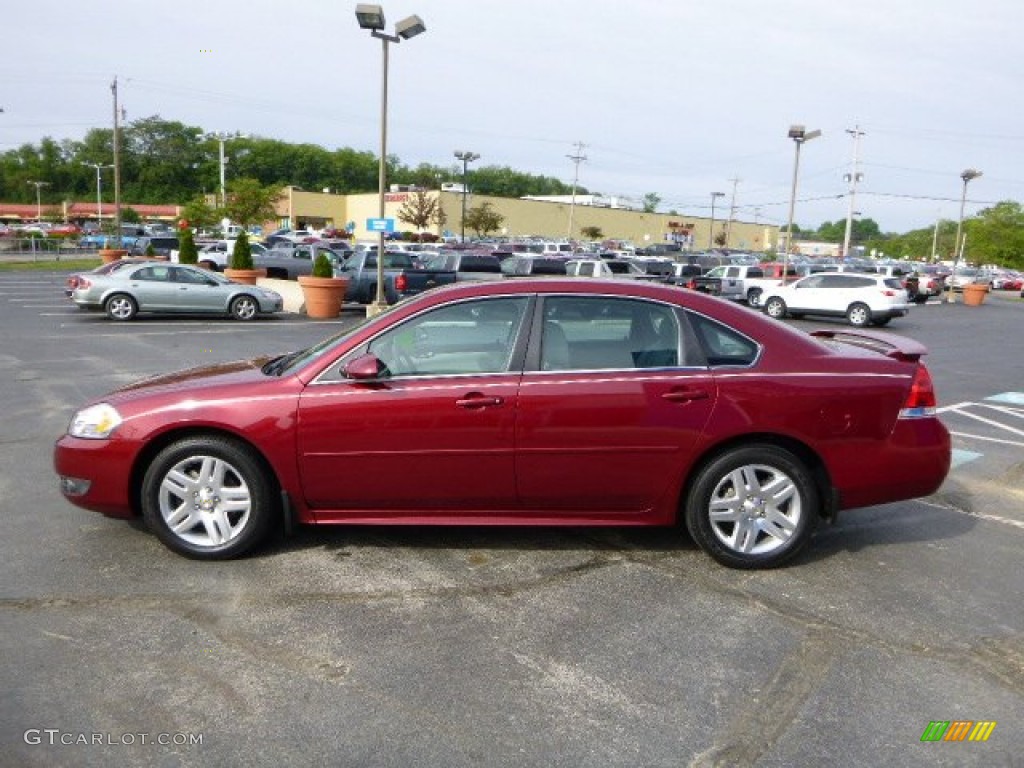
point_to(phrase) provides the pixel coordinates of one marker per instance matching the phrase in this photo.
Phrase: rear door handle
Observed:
(479, 401)
(686, 395)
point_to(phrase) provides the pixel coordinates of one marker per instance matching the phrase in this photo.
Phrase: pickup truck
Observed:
(736, 282)
(401, 278)
(280, 263)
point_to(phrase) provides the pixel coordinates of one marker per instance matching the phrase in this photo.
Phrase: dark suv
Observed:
(162, 246)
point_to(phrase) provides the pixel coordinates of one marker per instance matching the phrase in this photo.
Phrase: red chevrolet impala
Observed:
(524, 402)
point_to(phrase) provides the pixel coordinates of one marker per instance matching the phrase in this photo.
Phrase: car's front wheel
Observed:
(121, 306)
(775, 307)
(208, 498)
(752, 507)
(859, 315)
(244, 308)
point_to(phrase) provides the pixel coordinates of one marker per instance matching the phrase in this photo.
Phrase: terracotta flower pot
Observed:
(323, 295)
(246, 276)
(112, 254)
(974, 294)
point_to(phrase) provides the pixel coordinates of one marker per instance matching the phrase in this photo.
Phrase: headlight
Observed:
(97, 422)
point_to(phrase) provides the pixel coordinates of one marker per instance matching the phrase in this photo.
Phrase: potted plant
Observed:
(240, 267)
(187, 251)
(323, 292)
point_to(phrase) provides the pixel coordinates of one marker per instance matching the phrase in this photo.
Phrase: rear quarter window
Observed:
(722, 345)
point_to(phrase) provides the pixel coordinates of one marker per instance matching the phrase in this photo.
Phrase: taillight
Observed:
(83, 282)
(401, 283)
(920, 400)
(888, 293)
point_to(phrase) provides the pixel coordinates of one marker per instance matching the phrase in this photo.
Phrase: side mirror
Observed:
(364, 368)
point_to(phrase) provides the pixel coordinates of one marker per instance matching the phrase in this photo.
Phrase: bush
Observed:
(187, 251)
(322, 266)
(241, 255)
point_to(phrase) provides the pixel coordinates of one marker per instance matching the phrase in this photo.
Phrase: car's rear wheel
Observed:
(121, 306)
(859, 315)
(208, 498)
(752, 507)
(244, 308)
(775, 307)
(754, 297)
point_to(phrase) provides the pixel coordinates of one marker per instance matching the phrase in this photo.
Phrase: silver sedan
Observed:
(172, 288)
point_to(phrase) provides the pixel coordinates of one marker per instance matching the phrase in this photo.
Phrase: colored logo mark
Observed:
(958, 730)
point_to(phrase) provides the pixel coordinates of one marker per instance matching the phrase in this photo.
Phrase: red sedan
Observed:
(524, 402)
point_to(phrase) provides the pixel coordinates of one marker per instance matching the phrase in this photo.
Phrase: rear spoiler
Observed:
(888, 344)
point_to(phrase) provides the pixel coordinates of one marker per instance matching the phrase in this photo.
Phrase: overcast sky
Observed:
(674, 98)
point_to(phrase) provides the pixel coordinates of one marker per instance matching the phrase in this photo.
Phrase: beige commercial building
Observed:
(521, 218)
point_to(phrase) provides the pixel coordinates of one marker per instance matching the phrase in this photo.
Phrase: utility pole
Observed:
(732, 212)
(117, 168)
(935, 238)
(578, 158)
(852, 177)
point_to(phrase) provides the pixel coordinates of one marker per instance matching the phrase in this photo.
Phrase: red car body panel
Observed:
(534, 447)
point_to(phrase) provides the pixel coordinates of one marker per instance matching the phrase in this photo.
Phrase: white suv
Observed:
(861, 298)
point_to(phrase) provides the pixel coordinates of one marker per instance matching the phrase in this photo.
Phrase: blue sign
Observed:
(380, 225)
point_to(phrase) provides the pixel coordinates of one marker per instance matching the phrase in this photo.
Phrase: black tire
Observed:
(754, 297)
(208, 265)
(858, 315)
(208, 498)
(750, 526)
(775, 307)
(120, 307)
(244, 307)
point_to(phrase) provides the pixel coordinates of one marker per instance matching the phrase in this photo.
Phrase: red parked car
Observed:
(524, 402)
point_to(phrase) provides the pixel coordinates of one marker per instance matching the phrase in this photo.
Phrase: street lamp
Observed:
(799, 135)
(39, 200)
(221, 137)
(711, 231)
(466, 157)
(371, 17)
(968, 175)
(99, 186)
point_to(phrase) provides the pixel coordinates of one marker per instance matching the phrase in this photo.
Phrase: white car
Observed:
(861, 298)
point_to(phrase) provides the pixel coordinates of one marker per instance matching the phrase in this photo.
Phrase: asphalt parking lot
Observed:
(497, 647)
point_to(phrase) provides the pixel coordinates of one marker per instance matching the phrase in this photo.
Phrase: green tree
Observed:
(322, 266)
(187, 251)
(241, 254)
(130, 215)
(249, 202)
(484, 219)
(198, 213)
(651, 201)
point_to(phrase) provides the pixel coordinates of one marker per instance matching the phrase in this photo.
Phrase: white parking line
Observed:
(981, 516)
(988, 439)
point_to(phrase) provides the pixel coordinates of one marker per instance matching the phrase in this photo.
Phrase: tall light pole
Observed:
(711, 231)
(221, 137)
(39, 199)
(371, 17)
(578, 158)
(799, 135)
(968, 175)
(99, 187)
(466, 157)
(853, 177)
